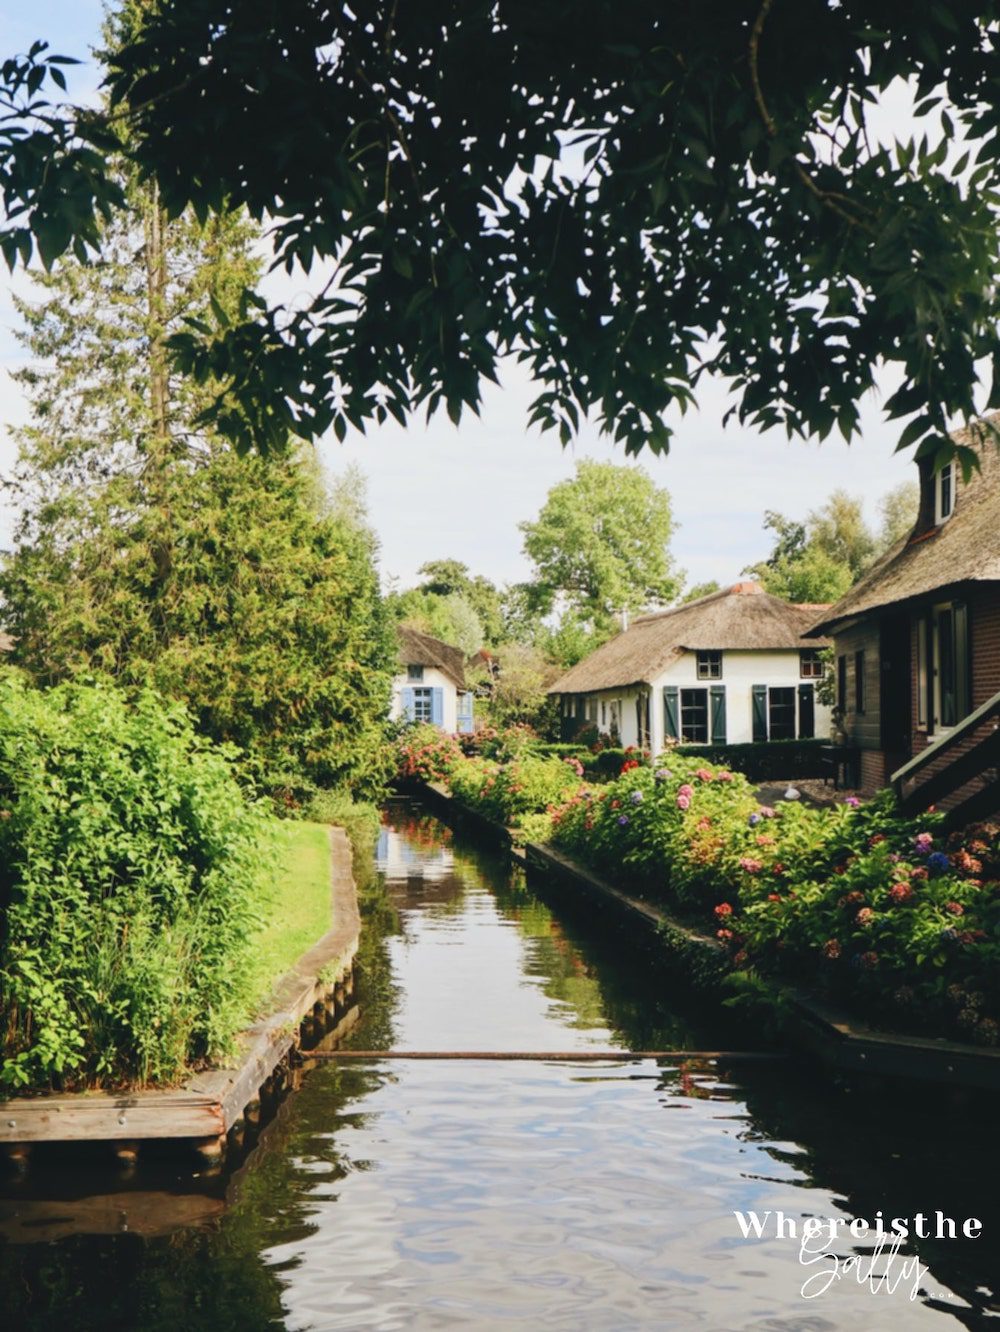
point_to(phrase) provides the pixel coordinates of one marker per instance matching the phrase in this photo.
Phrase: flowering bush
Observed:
(881, 911)
(426, 754)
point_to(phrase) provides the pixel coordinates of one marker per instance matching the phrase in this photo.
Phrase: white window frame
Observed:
(815, 664)
(423, 699)
(944, 493)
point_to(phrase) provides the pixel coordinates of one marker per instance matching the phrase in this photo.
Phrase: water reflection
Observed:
(545, 1195)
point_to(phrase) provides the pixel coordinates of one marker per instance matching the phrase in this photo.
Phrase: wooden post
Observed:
(210, 1151)
(17, 1156)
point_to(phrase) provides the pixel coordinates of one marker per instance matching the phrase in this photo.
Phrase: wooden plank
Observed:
(110, 1117)
(209, 1103)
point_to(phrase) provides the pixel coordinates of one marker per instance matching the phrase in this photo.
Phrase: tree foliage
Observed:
(601, 544)
(819, 559)
(148, 551)
(623, 197)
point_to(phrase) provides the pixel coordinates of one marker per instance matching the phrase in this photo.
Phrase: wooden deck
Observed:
(211, 1103)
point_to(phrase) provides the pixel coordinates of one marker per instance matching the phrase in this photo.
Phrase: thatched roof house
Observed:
(963, 548)
(750, 645)
(420, 649)
(917, 640)
(430, 686)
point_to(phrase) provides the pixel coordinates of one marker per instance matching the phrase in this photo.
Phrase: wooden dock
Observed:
(312, 997)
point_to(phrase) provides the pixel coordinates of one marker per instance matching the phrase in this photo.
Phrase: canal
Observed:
(560, 1194)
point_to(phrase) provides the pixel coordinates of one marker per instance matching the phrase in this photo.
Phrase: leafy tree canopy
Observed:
(601, 544)
(818, 560)
(624, 197)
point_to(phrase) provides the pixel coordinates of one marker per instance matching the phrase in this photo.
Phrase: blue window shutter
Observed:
(759, 712)
(465, 713)
(409, 708)
(671, 731)
(807, 712)
(437, 707)
(718, 714)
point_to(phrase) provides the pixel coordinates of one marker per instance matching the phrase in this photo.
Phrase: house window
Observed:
(694, 716)
(781, 714)
(944, 493)
(709, 665)
(951, 695)
(422, 705)
(859, 681)
(414, 672)
(810, 664)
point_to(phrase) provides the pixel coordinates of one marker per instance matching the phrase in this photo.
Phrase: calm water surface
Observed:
(570, 1195)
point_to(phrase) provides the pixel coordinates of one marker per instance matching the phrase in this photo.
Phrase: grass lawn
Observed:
(295, 902)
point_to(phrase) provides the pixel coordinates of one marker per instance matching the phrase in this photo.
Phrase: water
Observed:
(569, 1195)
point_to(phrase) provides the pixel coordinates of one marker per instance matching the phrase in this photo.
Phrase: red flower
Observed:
(774, 897)
(723, 909)
(901, 892)
(724, 935)
(955, 908)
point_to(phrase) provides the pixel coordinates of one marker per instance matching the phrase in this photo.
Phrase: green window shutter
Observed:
(718, 714)
(671, 730)
(759, 693)
(807, 712)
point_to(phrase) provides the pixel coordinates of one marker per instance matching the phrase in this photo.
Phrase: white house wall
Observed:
(432, 679)
(740, 672)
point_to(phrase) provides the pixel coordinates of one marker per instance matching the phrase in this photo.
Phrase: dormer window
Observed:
(944, 493)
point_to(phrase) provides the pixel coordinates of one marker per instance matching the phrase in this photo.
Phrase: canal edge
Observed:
(839, 1042)
(312, 997)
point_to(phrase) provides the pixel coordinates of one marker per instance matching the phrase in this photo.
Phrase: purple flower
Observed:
(937, 860)
(636, 797)
(923, 842)
(852, 802)
(661, 774)
(623, 819)
(754, 820)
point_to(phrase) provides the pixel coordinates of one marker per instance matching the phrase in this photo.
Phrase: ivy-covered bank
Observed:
(890, 916)
(144, 916)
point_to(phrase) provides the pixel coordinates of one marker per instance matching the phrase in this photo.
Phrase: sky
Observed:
(437, 491)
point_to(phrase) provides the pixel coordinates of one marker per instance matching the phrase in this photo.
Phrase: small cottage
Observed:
(729, 668)
(917, 640)
(430, 686)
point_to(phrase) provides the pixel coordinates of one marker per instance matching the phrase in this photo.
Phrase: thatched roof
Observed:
(419, 649)
(963, 549)
(741, 618)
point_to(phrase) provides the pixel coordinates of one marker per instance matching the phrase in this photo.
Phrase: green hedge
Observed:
(764, 761)
(131, 872)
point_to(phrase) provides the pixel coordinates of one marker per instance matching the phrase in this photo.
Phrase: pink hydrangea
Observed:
(683, 802)
(955, 908)
(750, 865)
(703, 775)
(686, 790)
(869, 961)
(865, 916)
(724, 775)
(901, 892)
(831, 949)
(923, 842)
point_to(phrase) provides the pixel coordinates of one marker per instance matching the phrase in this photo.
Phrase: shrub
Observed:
(426, 754)
(130, 867)
(764, 761)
